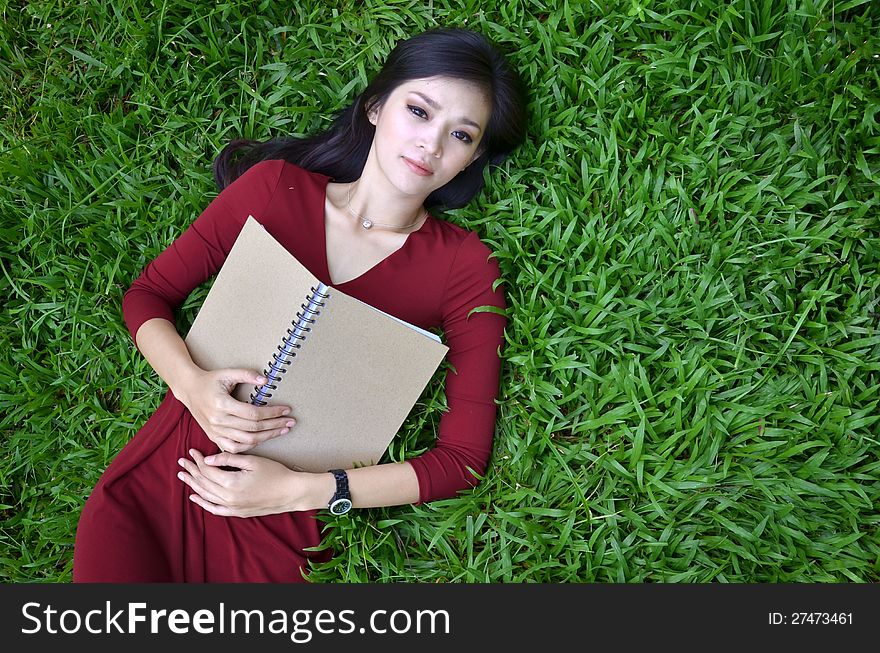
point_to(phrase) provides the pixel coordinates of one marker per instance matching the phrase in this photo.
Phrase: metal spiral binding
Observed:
(282, 359)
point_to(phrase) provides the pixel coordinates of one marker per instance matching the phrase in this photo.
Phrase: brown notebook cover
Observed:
(351, 377)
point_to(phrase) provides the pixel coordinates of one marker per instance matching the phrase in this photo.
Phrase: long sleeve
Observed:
(475, 342)
(200, 251)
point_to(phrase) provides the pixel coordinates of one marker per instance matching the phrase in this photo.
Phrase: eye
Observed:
(417, 111)
(464, 137)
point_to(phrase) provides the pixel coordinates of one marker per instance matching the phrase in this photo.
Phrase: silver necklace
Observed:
(366, 223)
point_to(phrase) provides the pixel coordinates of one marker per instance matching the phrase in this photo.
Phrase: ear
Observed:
(373, 114)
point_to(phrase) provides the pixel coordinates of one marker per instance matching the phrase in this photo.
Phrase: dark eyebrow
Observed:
(433, 104)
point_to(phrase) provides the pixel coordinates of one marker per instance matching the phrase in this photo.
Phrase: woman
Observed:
(352, 204)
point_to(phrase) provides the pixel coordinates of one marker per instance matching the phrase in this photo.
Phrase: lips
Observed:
(418, 167)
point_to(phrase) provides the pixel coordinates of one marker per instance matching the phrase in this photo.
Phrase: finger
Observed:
(246, 439)
(204, 487)
(215, 480)
(232, 376)
(259, 426)
(225, 444)
(230, 460)
(225, 477)
(252, 434)
(213, 508)
(253, 413)
(200, 489)
(233, 442)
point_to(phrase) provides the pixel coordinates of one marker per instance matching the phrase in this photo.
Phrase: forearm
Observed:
(390, 484)
(166, 352)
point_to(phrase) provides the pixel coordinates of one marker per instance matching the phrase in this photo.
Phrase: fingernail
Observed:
(191, 451)
(283, 431)
(291, 422)
(180, 461)
(286, 411)
(180, 475)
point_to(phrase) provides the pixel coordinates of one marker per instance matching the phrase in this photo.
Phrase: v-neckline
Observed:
(323, 231)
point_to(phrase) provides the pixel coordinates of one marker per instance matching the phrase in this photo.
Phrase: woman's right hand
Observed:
(232, 425)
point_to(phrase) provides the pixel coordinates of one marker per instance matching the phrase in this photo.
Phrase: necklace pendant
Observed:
(366, 224)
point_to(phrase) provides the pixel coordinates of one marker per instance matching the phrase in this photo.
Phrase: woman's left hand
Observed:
(259, 487)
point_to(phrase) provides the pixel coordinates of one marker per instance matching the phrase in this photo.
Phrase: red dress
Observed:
(138, 524)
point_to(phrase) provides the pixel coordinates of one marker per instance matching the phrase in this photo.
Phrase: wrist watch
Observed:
(341, 501)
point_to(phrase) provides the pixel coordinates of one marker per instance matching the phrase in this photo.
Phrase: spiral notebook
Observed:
(350, 372)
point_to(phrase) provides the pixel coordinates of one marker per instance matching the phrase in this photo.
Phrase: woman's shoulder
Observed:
(276, 168)
(466, 255)
(473, 271)
(466, 243)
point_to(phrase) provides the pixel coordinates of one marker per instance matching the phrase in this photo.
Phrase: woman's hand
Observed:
(259, 487)
(232, 425)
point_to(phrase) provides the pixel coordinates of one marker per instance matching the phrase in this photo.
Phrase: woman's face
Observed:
(427, 131)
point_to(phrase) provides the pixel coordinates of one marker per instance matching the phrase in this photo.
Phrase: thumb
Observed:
(234, 375)
(227, 459)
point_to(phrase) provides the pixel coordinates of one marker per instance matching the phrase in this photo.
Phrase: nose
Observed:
(430, 140)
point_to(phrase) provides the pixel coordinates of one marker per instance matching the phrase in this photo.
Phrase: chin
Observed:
(412, 186)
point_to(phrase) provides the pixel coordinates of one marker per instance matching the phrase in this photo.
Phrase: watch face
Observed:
(340, 506)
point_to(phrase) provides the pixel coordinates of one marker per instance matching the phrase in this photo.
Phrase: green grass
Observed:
(690, 244)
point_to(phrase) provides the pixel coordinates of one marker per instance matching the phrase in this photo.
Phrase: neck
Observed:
(373, 197)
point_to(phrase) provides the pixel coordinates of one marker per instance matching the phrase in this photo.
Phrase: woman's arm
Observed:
(149, 304)
(260, 486)
(466, 429)
(232, 425)
(165, 351)
(390, 484)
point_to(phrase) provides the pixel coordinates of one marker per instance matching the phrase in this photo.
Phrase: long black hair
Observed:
(341, 151)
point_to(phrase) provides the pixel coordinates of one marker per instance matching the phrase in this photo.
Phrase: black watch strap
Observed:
(341, 501)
